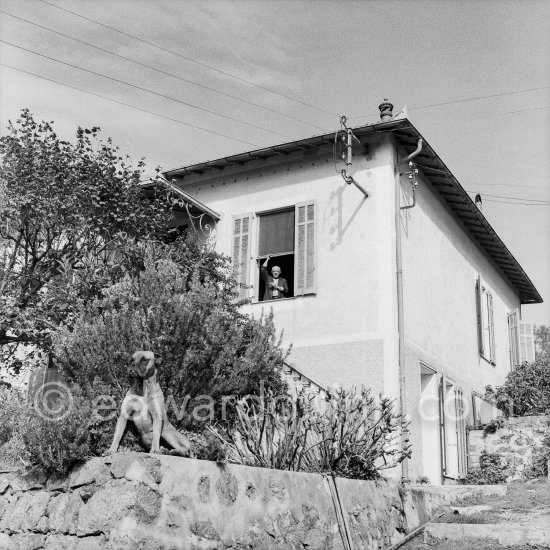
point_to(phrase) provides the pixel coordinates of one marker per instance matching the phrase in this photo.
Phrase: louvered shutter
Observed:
(304, 262)
(479, 310)
(461, 433)
(491, 326)
(241, 251)
(526, 343)
(513, 333)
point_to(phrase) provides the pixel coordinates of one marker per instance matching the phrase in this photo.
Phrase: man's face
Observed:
(276, 271)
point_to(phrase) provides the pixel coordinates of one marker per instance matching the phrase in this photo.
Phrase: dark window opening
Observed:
(277, 238)
(286, 263)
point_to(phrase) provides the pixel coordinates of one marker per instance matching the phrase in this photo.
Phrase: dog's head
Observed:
(142, 365)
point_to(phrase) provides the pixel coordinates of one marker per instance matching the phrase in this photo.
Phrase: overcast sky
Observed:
(334, 57)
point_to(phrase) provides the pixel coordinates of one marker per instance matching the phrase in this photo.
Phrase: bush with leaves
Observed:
(493, 470)
(526, 390)
(191, 323)
(351, 435)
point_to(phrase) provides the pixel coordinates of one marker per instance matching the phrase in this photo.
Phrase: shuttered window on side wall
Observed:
(513, 334)
(305, 248)
(526, 343)
(241, 250)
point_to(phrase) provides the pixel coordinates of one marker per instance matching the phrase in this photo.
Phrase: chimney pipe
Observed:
(386, 111)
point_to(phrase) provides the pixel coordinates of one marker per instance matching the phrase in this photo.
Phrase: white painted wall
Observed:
(441, 264)
(344, 333)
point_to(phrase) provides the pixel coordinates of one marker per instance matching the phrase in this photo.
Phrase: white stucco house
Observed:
(396, 279)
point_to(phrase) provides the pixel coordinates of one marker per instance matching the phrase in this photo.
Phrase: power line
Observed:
(525, 110)
(509, 185)
(289, 155)
(149, 91)
(460, 100)
(131, 106)
(518, 203)
(512, 198)
(163, 72)
(190, 59)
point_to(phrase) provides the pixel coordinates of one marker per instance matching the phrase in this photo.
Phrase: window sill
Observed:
(275, 300)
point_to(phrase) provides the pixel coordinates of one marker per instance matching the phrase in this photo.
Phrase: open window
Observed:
(277, 239)
(288, 236)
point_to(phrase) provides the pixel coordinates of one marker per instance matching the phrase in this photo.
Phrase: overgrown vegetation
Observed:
(350, 435)
(526, 390)
(86, 272)
(493, 470)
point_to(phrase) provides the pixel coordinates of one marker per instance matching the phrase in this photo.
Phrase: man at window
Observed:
(275, 286)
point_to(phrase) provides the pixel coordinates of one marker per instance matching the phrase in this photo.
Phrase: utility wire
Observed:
(190, 59)
(131, 106)
(512, 198)
(149, 91)
(288, 155)
(460, 100)
(192, 82)
(525, 110)
(518, 203)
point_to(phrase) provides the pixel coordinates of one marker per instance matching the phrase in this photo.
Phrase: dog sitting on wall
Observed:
(144, 404)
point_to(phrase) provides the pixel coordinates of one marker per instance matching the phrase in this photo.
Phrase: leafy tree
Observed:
(64, 211)
(526, 390)
(191, 322)
(542, 343)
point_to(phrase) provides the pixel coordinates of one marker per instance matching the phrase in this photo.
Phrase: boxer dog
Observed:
(144, 405)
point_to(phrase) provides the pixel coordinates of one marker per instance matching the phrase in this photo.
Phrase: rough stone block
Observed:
(110, 504)
(93, 471)
(35, 478)
(28, 541)
(63, 512)
(6, 542)
(37, 508)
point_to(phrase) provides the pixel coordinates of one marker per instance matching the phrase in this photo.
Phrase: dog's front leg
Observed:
(157, 430)
(119, 432)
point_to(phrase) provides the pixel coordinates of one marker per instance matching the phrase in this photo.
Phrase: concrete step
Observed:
(504, 534)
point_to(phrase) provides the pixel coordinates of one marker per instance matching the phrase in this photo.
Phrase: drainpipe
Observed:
(400, 313)
(412, 174)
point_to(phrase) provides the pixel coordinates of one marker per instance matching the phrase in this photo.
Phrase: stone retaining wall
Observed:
(140, 501)
(514, 442)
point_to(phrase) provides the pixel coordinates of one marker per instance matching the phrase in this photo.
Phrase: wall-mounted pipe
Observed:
(400, 312)
(412, 173)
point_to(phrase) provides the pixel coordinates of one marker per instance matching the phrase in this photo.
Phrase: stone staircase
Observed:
(299, 382)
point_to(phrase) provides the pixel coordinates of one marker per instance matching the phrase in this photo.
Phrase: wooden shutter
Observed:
(461, 434)
(304, 261)
(526, 343)
(241, 250)
(491, 326)
(479, 310)
(513, 334)
(442, 427)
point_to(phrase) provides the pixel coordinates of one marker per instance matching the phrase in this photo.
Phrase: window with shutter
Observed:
(485, 321)
(526, 343)
(513, 334)
(241, 251)
(305, 248)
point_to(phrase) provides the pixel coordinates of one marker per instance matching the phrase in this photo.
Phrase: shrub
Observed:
(206, 345)
(540, 459)
(351, 435)
(526, 389)
(493, 470)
